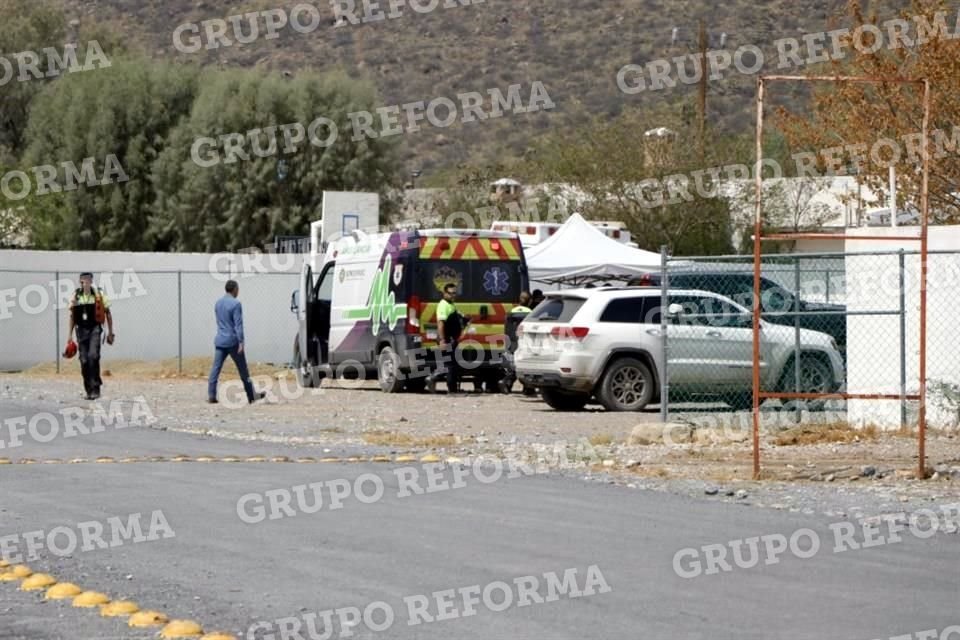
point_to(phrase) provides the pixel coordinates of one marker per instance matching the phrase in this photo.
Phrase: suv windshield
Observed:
(557, 309)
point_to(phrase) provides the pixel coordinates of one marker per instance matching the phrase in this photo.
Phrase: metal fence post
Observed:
(903, 342)
(56, 317)
(796, 338)
(180, 322)
(826, 274)
(664, 305)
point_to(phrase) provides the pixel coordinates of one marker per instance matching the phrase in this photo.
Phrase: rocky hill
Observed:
(573, 47)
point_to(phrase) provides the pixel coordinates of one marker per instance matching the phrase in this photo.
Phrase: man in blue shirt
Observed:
(229, 342)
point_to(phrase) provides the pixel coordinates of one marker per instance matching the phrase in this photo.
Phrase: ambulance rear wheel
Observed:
(388, 371)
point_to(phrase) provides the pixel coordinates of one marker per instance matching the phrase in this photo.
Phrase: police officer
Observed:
(515, 317)
(89, 308)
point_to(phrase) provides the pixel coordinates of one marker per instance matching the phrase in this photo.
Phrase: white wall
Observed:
(873, 343)
(146, 306)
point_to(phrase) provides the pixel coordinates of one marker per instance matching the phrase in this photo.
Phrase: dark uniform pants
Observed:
(447, 362)
(88, 346)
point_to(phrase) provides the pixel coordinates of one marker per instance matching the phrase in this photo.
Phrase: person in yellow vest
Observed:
(523, 304)
(514, 318)
(89, 309)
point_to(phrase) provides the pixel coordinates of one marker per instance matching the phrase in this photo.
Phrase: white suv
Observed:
(607, 344)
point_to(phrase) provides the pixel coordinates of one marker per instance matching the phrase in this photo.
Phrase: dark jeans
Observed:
(447, 363)
(239, 359)
(88, 346)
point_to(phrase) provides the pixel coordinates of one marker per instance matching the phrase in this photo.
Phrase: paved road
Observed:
(229, 574)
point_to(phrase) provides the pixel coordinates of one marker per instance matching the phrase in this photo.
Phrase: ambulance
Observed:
(367, 305)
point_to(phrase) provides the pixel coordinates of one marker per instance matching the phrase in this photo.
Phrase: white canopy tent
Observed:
(579, 252)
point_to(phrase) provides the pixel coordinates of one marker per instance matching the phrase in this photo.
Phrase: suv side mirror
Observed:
(295, 301)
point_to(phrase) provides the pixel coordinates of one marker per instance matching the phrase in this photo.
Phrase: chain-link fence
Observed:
(830, 323)
(853, 319)
(158, 315)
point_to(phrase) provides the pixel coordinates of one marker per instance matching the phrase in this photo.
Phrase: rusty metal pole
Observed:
(924, 204)
(757, 230)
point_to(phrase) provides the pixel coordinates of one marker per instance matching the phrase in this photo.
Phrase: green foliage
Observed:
(622, 175)
(125, 111)
(148, 116)
(237, 204)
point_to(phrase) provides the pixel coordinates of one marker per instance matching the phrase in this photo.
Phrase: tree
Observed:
(648, 182)
(848, 114)
(229, 201)
(113, 121)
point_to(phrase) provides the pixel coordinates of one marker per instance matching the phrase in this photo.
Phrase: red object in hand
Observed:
(70, 350)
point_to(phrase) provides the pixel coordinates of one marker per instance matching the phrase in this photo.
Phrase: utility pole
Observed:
(702, 97)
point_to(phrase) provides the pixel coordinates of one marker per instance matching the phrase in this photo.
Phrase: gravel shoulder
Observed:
(855, 479)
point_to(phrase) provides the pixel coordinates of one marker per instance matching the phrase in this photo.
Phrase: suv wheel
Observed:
(627, 385)
(388, 371)
(815, 377)
(563, 401)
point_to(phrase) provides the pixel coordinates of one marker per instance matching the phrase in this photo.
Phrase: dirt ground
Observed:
(487, 423)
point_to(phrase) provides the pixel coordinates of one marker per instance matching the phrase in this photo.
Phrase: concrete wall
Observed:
(150, 294)
(874, 342)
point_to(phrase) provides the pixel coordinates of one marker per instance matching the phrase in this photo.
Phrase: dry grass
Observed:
(601, 439)
(827, 433)
(398, 439)
(193, 368)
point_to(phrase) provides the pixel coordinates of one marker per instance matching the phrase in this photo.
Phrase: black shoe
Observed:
(212, 401)
(431, 386)
(258, 396)
(502, 385)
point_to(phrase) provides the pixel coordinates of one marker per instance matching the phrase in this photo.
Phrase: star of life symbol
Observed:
(495, 281)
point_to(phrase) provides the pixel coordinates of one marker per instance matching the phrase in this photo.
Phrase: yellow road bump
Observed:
(256, 459)
(356, 459)
(157, 459)
(53, 461)
(89, 599)
(16, 572)
(181, 458)
(182, 629)
(381, 459)
(131, 460)
(219, 635)
(37, 581)
(206, 459)
(453, 460)
(304, 460)
(430, 458)
(78, 461)
(329, 459)
(4, 564)
(27, 461)
(118, 608)
(5, 461)
(230, 459)
(62, 591)
(406, 459)
(147, 619)
(105, 460)
(280, 459)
